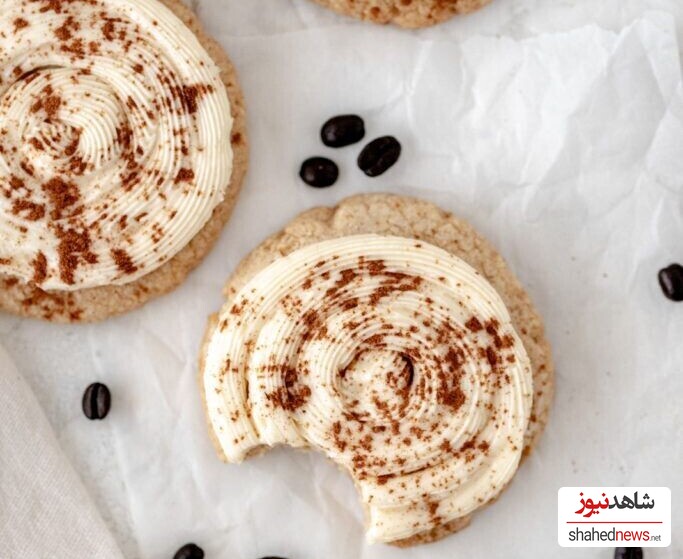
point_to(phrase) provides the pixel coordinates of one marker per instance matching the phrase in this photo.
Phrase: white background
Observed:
(556, 128)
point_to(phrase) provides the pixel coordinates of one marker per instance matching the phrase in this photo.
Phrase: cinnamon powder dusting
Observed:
(123, 261)
(108, 30)
(73, 248)
(28, 210)
(453, 397)
(65, 31)
(36, 143)
(50, 105)
(62, 195)
(39, 268)
(289, 399)
(184, 175)
(20, 23)
(473, 324)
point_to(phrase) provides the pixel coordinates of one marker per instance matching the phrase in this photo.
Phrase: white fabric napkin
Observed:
(45, 511)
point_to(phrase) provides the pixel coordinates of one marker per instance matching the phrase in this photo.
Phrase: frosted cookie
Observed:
(122, 151)
(406, 13)
(390, 336)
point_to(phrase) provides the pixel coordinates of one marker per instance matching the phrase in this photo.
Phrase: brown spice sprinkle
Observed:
(72, 146)
(452, 397)
(65, 31)
(28, 210)
(16, 183)
(190, 96)
(473, 324)
(27, 168)
(58, 5)
(289, 399)
(36, 143)
(184, 175)
(375, 267)
(62, 195)
(432, 507)
(108, 30)
(123, 261)
(50, 104)
(20, 23)
(39, 268)
(73, 248)
(491, 356)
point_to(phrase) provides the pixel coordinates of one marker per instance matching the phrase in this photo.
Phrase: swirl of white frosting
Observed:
(394, 358)
(114, 140)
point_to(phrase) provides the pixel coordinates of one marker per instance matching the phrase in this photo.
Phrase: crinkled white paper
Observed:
(556, 128)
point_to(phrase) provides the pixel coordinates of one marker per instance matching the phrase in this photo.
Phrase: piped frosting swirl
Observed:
(114, 140)
(394, 358)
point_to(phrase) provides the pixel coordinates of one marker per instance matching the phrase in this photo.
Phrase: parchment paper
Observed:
(556, 128)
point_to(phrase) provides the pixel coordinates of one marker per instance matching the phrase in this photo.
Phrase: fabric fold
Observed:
(45, 511)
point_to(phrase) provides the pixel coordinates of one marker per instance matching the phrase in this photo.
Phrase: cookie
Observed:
(398, 216)
(100, 302)
(405, 13)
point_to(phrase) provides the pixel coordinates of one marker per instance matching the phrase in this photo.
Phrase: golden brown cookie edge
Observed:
(413, 14)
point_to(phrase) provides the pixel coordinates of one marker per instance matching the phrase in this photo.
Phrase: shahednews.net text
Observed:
(614, 535)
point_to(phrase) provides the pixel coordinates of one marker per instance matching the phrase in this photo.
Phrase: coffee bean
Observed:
(96, 401)
(628, 553)
(319, 172)
(189, 551)
(379, 155)
(342, 130)
(671, 281)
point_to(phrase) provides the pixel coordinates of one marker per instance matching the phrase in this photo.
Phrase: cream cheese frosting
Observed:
(114, 140)
(394, 358)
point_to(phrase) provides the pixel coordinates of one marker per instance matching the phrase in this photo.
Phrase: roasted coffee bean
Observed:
(628, 553)
(671, 281)
(342, 130)
(319, 172)
(379, 155)
(96, 401)
(189, 551)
